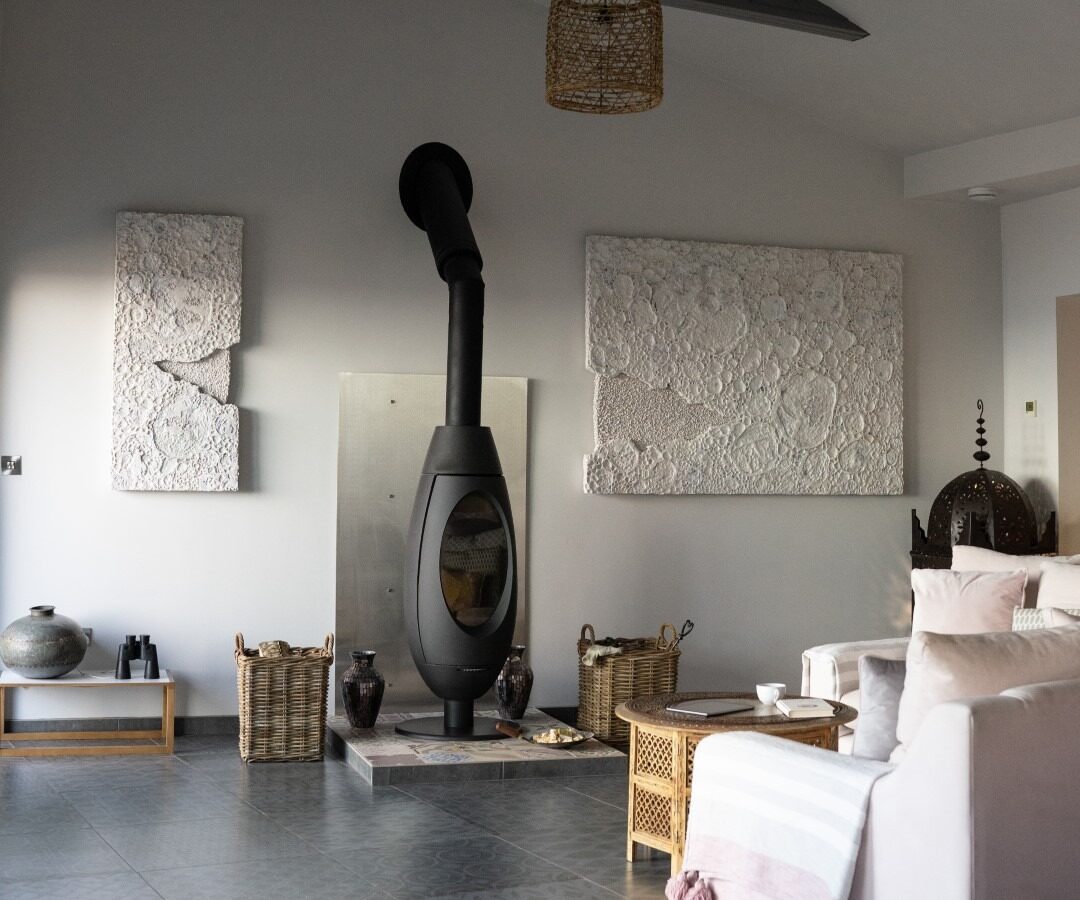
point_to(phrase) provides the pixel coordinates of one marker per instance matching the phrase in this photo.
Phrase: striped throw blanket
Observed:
(771, 818)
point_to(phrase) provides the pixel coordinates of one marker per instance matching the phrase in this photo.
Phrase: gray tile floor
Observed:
(200, 824)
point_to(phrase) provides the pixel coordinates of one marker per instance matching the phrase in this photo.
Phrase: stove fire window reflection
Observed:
(473, 560)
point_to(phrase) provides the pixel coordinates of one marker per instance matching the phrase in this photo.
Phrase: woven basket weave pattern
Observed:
(605, 56)
(646, 666)
(283, 702)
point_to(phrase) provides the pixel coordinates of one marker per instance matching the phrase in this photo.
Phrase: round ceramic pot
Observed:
(514, 684)
(362, 690)
(43, 644)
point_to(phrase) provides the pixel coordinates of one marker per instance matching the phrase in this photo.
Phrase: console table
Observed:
(10, 680)
(662, 747)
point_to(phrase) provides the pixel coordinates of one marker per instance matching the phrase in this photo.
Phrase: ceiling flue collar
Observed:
(982, 194)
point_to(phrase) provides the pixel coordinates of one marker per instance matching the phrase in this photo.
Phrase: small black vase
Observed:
(514, 684)
(362, 689)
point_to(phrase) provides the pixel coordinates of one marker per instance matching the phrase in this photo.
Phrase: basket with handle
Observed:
(283, 702)
(645, 666)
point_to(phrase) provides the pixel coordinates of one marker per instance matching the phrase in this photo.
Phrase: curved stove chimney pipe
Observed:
(460, 600)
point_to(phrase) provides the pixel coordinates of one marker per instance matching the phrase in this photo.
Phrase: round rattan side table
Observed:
(662, 746)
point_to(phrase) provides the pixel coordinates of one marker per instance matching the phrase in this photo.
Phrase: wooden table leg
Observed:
(630, 857)
(676, 860)
(168, 716)
(680, 746)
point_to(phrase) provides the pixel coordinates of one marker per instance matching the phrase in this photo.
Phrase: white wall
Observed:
(297, 116)
(1040, 262)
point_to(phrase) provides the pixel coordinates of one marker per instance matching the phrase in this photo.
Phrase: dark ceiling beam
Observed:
(800, 15)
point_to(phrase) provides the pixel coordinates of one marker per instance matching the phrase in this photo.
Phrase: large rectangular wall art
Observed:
(177, 313)
(732, 369)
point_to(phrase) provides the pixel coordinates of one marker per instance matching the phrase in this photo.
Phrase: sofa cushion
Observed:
(881, 681)
(1059, 585)
(830, 671)
(852, 699)
(942, 667)
(1043, 617)
(965, 602)
(980, 559)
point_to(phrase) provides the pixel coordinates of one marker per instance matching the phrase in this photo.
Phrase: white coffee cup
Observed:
(771, 691)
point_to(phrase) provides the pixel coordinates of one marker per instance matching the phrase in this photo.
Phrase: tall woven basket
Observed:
(645, 666)
(283, 702)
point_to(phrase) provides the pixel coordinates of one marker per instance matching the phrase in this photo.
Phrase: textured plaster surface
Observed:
(732, 369)
(210, 375)
(177, 313)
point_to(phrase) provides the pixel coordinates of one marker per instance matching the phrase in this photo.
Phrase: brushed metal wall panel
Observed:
(384, 428)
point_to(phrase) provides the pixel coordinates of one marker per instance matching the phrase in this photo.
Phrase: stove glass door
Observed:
(473, 560)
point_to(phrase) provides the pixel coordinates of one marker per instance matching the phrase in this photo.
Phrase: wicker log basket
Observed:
(645, 666)
(283, 702)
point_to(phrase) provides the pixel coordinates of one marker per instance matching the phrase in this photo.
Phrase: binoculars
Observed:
(137, 649)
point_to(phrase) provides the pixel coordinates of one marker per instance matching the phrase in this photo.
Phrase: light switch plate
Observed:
(10, 465)
(1031, 408)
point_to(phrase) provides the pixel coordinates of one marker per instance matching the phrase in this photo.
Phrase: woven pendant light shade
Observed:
(605, 56)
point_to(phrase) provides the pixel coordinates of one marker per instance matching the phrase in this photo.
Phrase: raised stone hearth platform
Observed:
(381, 756)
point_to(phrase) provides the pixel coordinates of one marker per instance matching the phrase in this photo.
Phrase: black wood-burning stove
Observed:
(461, 577)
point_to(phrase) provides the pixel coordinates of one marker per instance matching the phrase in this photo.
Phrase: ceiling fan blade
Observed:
(800, 15)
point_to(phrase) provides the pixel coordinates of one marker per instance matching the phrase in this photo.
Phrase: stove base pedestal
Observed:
(457, 723)
(435, 729)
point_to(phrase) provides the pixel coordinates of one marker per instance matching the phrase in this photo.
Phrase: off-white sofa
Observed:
(986, 803)
(831, 671)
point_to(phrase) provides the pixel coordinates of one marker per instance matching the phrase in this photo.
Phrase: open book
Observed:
(804, 708)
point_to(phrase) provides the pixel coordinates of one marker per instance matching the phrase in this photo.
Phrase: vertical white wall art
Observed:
(732, 369)
(177, 313)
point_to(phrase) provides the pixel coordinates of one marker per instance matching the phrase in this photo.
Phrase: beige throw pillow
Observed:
(1043, 617)
(1059, 585)
(979, 559)
(1059, 617)
(942, 667)
(965, 602)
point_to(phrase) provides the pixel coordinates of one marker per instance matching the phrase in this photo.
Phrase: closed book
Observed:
(710, 708)
(804, 708)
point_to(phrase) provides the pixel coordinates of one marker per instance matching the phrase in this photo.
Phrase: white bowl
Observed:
(771, 691)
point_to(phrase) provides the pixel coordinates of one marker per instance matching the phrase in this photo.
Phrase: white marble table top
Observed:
(79, 678)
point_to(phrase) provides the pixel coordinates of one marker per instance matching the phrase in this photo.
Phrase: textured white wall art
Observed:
(177, 313)
(732, 369)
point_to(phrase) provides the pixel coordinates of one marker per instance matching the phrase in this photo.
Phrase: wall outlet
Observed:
(1030, 408)
(10, 465)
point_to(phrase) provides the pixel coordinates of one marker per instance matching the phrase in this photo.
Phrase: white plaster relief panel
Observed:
(734, 369)
(177, 313)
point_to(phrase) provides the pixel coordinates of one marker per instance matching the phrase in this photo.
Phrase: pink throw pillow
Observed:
(980, 559)
(1059, 617)
(1059, 585)
(948, 602)
(942, 667)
